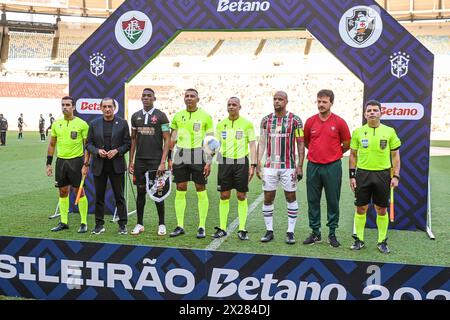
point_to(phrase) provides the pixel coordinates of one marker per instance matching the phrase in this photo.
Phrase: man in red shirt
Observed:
(327, 138)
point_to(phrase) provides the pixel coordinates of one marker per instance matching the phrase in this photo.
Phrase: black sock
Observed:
(140, 204)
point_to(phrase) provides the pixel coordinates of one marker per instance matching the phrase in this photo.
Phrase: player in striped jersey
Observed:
(280, 132)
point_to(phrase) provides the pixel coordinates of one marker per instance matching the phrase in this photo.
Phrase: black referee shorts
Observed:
(233, 174)
(372, 185)
(188, 165)
(68, 172)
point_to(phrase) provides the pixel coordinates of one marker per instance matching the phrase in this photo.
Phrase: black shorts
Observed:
(68, 172)
(372, 185)
(188, 165)
(141, 166)
(41, 130)
(233, 174)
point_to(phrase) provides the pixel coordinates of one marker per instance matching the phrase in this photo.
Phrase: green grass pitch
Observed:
(28, 197)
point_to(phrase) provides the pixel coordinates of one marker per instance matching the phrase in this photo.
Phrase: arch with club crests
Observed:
(393, 65)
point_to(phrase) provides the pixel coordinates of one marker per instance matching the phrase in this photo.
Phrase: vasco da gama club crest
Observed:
(360, 26)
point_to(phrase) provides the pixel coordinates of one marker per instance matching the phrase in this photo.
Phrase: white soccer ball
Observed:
(211, 145)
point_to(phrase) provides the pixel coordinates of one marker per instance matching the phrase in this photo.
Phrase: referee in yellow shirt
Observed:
(236, 134)
(69, 136)
(374, 150)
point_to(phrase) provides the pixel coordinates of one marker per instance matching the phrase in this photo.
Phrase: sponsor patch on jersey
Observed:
(73, 134)
(224, 135)
(383, 144)
(239, 134)
(197, 126)
(146, 131)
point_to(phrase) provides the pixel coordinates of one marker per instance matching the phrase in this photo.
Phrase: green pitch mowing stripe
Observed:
(234, 225)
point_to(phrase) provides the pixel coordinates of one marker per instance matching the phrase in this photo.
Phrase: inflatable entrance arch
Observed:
(394, 66)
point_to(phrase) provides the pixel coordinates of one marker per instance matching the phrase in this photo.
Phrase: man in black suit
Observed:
(108, 141)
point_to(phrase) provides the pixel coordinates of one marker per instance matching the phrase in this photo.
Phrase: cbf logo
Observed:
(97, 63)
(133, 30)
(399, 64)
(360, 26)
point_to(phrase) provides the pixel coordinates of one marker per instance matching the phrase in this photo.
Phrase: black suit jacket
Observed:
(120, 140)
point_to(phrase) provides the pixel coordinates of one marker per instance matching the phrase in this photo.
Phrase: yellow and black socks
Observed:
(180, 207)
(242, 213)
(203, 206)
(360, 224)
(64, 209)
(382, 224)
(83, 208)
(224, 208)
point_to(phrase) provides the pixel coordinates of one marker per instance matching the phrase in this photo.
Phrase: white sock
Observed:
(268, 216)
(292, 211)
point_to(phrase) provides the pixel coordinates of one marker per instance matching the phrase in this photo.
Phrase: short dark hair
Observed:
(149, 89)
(192, 89)
(108, 98)
(69, 98)
(372, 103)
(326, 93)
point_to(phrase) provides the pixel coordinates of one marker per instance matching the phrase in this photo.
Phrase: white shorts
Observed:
(286, 177)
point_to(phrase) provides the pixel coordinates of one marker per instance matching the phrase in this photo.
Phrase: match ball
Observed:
(211, 145)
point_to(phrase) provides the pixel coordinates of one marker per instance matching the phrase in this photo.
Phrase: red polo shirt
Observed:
(324, 138)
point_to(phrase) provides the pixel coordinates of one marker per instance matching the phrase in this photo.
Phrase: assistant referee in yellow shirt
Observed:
(69, 136)
(374, 150)
(235, 134)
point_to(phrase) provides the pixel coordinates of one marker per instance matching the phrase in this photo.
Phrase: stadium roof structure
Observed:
(402, 10)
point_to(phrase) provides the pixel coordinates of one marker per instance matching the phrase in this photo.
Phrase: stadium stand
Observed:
(220, 64)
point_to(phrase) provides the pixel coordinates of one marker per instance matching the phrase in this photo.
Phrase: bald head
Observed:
(281, 93)
(280, 100)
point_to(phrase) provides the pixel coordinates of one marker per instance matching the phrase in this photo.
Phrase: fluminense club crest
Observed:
(360, 26)
(133, 30)
(399, 64)
(97, 63)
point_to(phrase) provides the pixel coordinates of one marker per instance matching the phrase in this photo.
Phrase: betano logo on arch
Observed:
(401, 111)
(91, 106)
(242, 6)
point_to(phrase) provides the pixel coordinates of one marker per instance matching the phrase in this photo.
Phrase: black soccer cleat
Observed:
(177, 232)
(219, 233)
(268, 236)
(313, 238)
(83, 228)
(382, 247)
(201, 233)
(243, 235)
(98, 229)
(333, 241)
(290, 238)
(358, 245)
(123, 229)
(60, 226)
